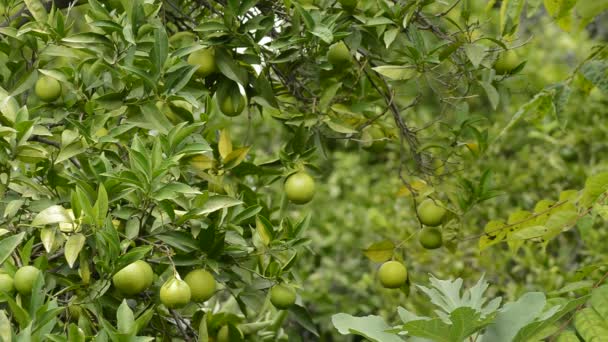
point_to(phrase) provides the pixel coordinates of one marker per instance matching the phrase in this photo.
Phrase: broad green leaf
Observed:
(47, 236)
(491, 92)
(235, 157)
(6, 331)
(567, 336)
(596, 72)
(371, 327)
(475, 53)
(125, 319)
(264, 230)
(72, 248)
(514, 316)
(380, 251)
(396, 72)
(225, 144)
(303, 317)
(465, 322)
(599, 301)
(36, 8)
(172, 190)
(590, 325)
(8, 245)
(595, 186)
(510, 13)
(52, 215)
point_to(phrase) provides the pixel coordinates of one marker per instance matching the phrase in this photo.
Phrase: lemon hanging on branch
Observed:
(392, 274)
(300, 188)
(47, 89)
(431, 213)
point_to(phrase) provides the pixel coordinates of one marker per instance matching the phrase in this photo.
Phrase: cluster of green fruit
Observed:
(234, 103)
(198, 285)
(393, 274)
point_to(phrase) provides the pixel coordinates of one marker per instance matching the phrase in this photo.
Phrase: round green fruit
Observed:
(47, 89)
(134, 278)
(568, 154)
(338, 54)
(506, 62)
(282, 296)
(205, 59)
(25, 278)
(233, 105)
(430, 238)
(300, 188)
(6, 283)
(431, 212)
(202, 285)
(175, 293)
(392, 274)
(373, 139)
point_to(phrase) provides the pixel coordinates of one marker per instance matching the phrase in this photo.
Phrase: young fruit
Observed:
(224, 334)
(205, 59)
(202, 285)
(338, 54)
(373, 139)
(506, 62)
(430, 238)
(175, 293)
(24, 279)
(6, 283)
(392, 274)
(47, 89)
(431, 212)
(134, 278)
(300, 188)
(233, 105)
(282, 296)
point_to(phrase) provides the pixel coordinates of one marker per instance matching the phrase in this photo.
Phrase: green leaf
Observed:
(597, 73)
(590, 326)
(172, 190)
(510, 14)
(125, 319)
(302, 316)
(323, 32)
(491, 92)
(380, 251)
(73, 246)
(475, 53)
(52, 215)
(465, 322)
(595, 186)
(159, 52)
(514, 316)
(396, 72)
(534, 110)
(230, 68)
(8, 245)
(216, 203)
(371, 327)
(36, 8)
(6, 331)
(599, 301)
(264, 232)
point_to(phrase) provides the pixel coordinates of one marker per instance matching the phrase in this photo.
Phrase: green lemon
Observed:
(24, 279)
(430, 238)
(134, 278)
(205, 59)
(338, 54)
(233, 105)
(47, 89)
(175, 293)
(392, 274)
(300, 188)
(6, 283)
(202, 285)
(282, 296)
(506, 62)
(431, 212)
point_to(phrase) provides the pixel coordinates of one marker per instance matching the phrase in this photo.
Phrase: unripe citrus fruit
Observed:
(282, 296)
(568, 153)
(202, 285)
(205, 59)
(232, 105)
(47, 89)
(338, 54)
(506, 62)
(24, 279)
(6, 283)
(430, 238)
(134, 278)
(431, 212)
(392, 274)
(373, 139)
(300, 188)
(175, 293)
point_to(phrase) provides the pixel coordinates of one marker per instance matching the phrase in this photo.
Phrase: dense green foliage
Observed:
(268, 170)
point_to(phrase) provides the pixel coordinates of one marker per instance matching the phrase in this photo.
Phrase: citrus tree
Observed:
(139, 201)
